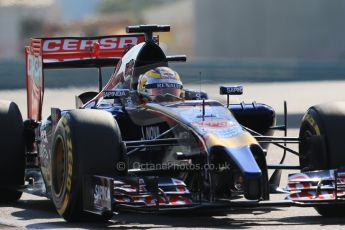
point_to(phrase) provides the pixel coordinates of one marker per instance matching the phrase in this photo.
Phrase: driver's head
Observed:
(160, 81)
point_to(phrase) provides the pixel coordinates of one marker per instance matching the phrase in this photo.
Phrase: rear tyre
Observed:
(323, 144)
(12, 151)
(85, 142)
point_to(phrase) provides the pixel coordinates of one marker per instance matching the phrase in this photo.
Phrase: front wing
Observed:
(102, 195)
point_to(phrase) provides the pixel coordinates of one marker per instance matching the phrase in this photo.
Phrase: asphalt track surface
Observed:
(39, 213)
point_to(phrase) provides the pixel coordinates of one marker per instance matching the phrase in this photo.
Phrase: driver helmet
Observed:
(160, 81)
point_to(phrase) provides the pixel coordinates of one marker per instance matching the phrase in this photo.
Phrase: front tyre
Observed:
(323, 144)
(85, 142)
(12, 159)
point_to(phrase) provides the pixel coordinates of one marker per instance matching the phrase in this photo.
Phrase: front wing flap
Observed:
(107, 194)
(323, 185)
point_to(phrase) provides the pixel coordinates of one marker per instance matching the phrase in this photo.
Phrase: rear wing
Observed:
(69, 52)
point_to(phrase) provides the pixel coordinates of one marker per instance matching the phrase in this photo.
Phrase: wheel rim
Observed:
(59, 167)
(305, 134)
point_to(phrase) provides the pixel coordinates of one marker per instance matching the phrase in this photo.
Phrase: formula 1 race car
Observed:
(144, 143)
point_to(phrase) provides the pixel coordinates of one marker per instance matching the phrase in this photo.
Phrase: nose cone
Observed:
(245, 161)
(253, 178)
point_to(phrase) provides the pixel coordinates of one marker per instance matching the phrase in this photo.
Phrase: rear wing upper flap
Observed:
(82, 49)
(70, 52)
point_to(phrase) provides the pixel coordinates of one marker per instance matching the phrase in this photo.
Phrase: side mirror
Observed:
(230, 90)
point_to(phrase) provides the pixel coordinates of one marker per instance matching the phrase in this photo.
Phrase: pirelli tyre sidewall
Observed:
(62, 167)
(314, 155)
(12, 153)
(86, 142)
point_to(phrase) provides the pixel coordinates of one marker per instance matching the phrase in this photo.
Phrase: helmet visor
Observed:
(163, 91)
(164, 88)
